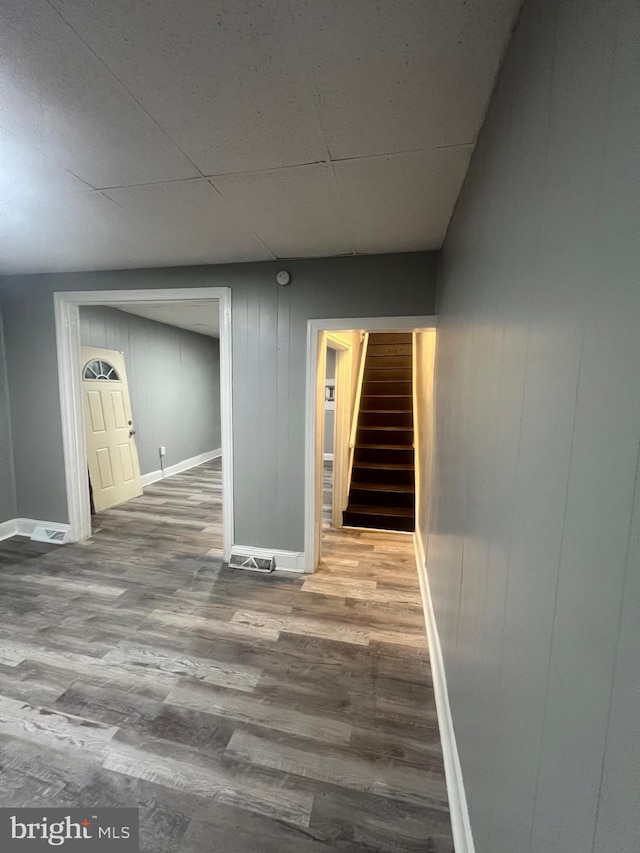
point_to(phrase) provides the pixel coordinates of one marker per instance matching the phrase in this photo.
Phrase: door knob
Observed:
(132, 432)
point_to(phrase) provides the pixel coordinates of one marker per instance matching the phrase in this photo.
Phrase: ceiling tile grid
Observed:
(195, 215)
(138, 133)
(297, 212)
(58, 96)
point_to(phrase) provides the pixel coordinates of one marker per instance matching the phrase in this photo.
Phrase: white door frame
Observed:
(67, 317)
(344, 351)
(313, 506)
(341, 423)
(343, 348)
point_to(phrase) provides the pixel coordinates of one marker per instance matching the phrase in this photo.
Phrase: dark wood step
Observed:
(363, 445)
(382, 361)
(384, 436)
(375, 403)
(390, 337)
(378, 373)
(389, 349)
(390, 473)
(382, 388)
(386, 417)
(379, 517)
(383, 494)
(384, 487)
(398, 454)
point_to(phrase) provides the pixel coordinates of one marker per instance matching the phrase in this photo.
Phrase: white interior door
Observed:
(112, 455)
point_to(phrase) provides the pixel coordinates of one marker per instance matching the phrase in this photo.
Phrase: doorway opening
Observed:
(145, 389)
(336, 473)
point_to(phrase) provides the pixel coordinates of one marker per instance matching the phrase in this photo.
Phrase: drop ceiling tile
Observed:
(224, 79)
(58, 97)
(296, 212)
(403, 202)
(194, 215)
(400, 76)
(26, 173)
(73, 232)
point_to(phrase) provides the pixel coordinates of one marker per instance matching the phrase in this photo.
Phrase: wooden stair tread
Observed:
(366, 509)
(386, 428)
(384, 487)
(387, 466)
(385, 447)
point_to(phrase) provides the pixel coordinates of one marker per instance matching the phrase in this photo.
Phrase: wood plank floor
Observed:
(241, 713)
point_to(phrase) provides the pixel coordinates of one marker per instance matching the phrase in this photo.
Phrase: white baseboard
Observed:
(286, 561)
(459, 812)
(8, 529)
(328, 457)
(179, 467)
(26, 526)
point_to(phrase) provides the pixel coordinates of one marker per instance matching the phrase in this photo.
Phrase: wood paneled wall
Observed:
(269, 356)
(533, 551)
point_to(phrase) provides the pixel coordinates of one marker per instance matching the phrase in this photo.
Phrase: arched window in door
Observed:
(99, 369)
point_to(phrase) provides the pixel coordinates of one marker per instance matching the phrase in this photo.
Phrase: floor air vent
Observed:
(252, 564)
(49, 534)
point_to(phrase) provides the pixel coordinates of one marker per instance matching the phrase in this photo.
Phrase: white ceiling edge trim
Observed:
(374, 324)
(166, 295)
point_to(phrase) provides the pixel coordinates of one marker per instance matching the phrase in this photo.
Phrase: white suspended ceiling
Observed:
(154, 132)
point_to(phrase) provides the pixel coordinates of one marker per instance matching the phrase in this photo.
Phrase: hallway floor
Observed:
(241, 713)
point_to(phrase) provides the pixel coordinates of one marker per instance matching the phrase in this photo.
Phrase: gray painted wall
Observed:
(269, 355)
(533, 553)
(8, 508)
(174, 383)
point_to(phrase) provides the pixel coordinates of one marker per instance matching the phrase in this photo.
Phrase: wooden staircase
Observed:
(382, 490)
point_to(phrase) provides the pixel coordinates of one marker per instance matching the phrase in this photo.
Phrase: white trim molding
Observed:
(179, 467)
(67, 318)
(8, 529)
(286, 561)
(458, 809)
(312, 509)
(26, 526)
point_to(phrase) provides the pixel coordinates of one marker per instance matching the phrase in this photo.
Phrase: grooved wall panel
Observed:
(532, 559)
(269, 357)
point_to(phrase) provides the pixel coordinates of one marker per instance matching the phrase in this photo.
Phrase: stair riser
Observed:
(403, 455)
(387, 374)
(394, 419)
(367, 403)
(371, 497)
(377, 522)
(376, 350)
(383, 389)
(372, 435)
(389, 338)
(393, 476)
(379, 361)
